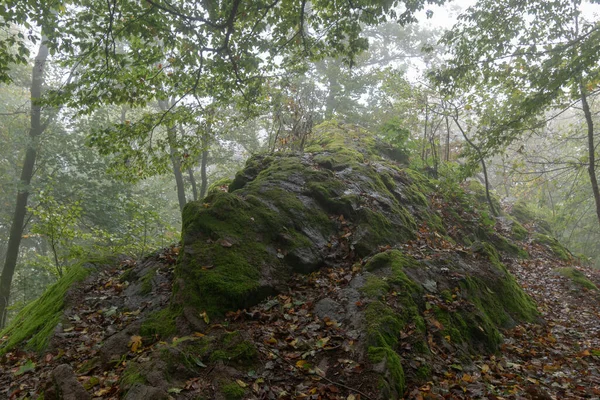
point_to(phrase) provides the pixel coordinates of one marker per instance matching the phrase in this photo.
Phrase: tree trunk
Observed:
(193, 182)
(171, 132)
(16, 231)
(591, 149)
(488, 197)
(203, 180)
(333, 93)
(204, 158)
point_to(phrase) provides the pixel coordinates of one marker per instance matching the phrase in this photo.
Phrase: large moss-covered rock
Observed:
(282, 214)
(413, 269)
(341, 202)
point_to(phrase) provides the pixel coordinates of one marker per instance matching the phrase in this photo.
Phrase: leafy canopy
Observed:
(512, 60)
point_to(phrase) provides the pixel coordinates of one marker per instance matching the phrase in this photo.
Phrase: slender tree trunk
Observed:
(204, 159)
(176, 169)
(171, 133)
(483, 166)
(331, 101)
(203, 179)
(447, 136)
(424, 149)
(193, 182)
(591, 149)
(16, 231)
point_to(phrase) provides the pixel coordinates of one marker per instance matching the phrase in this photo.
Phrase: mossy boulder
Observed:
(283, 214)
(577, 277)
(413, 266)
(341, 201)
(554, 245)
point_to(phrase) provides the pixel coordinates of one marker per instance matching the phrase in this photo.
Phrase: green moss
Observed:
(378, 230)
(392, 385)
(393, 259)
(233, 391)
(526, 214)
(577, 277)
(375, 287)
(478, 191)
(221, 270)
(502, 297)
(128, 275)
(518, 231)
(558, 249)
(504, 245)
(147, 281)
(467, 327)
(219, 185)
(383, 325)
(235, 349)
(446, 295)
(423, 373)
(392, 264)
(329, 194)
(36, 322)
(161, 323)
(131, 375)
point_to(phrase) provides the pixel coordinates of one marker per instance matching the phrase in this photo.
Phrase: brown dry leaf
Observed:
(241, 383)
(204, 316)
(225, 243)
(135, 342)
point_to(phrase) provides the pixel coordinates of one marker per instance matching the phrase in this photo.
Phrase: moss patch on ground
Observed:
(384, 323)
(577, 277)
(161, 323)
(36, 322)
(232, 391)
(558, 249)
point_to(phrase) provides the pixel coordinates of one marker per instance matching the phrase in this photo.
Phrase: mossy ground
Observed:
(36, 322)
(384, 323)
(577, 277)
(161, 323)
(558, 249)
(232, 391)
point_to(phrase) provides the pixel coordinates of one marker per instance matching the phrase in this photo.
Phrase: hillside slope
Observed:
(331, 274)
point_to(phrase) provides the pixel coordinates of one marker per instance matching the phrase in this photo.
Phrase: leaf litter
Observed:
(303, 356)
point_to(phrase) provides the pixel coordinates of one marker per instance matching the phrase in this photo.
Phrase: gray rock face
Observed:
(328, 308)
(66, 385)
(143, 392)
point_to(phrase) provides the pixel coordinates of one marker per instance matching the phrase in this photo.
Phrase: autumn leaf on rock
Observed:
(225, 243)
(205, 317)
(135, 342)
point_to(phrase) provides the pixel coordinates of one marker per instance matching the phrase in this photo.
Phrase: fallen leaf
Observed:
(135, 342)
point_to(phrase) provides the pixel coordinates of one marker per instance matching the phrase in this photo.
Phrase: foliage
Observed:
(512, 61)
(36, 322)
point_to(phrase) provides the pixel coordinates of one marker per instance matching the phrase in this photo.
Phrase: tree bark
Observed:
(171, 132)
(203, 179)
(591, 149)
(16, 231)
(192, 179)
(488, 197)
(204, 159)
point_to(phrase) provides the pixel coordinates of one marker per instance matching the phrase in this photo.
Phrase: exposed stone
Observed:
(66, 385)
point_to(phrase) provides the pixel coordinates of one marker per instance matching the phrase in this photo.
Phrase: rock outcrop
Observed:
(335, 271)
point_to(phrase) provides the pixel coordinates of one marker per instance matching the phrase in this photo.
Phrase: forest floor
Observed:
(558, 358)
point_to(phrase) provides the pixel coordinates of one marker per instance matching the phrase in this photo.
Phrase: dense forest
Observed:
(434, 161)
